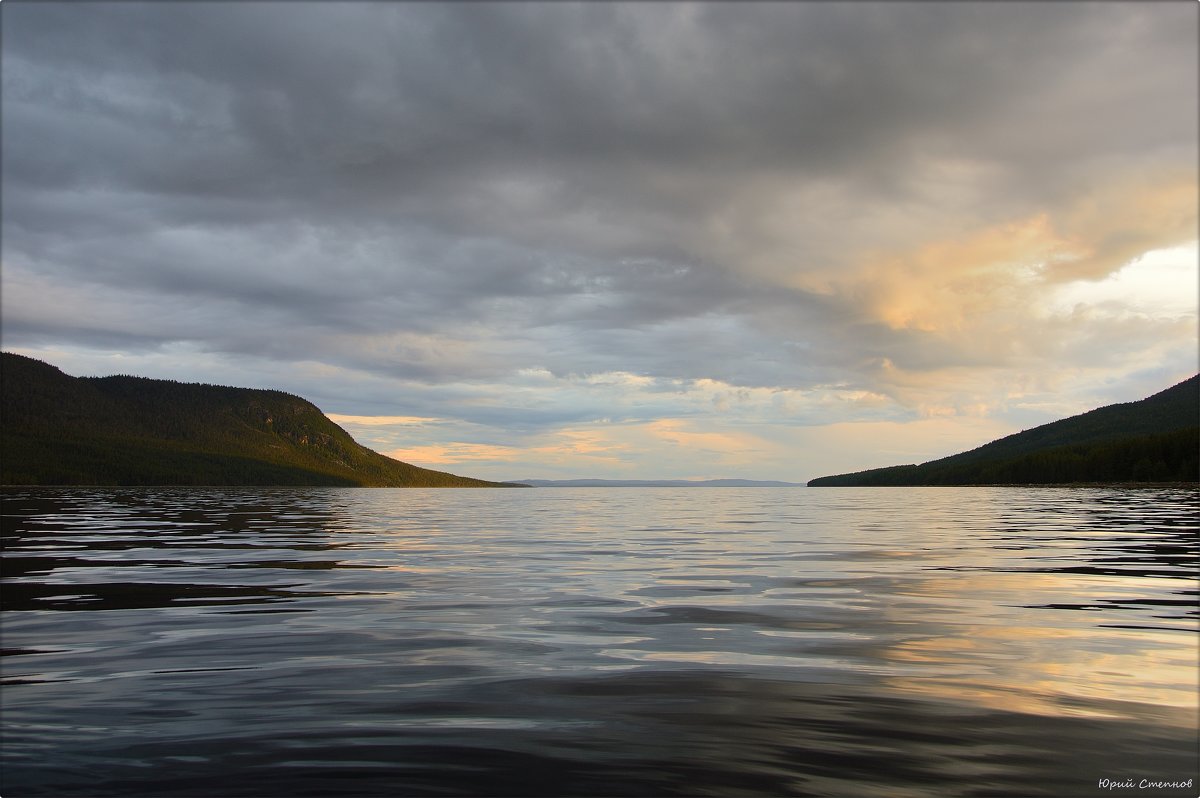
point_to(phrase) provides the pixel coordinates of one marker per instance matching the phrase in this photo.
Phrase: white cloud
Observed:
(1159, 283)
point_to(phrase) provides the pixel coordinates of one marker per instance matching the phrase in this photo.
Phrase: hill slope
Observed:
(1156, 439)
(61, 430)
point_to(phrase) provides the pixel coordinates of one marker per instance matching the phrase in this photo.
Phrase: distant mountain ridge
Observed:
(1156, 439)
(659, 483)
(61, 430)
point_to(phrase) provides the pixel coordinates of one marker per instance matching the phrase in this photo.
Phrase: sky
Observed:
(633, 241)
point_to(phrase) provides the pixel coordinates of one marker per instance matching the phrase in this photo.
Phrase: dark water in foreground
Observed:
(826, 642)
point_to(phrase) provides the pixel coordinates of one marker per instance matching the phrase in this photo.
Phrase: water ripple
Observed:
(596, 642)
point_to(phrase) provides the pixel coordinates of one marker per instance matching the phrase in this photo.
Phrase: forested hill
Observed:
(61, 430)
(1156, 439)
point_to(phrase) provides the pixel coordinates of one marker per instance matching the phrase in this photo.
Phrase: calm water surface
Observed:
(726, 642)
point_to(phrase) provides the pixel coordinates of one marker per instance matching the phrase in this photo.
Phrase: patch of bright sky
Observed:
(1162, 282)
(756, 446)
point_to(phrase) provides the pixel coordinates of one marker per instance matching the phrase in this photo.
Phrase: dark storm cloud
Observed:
(385, 99)
(439, 191)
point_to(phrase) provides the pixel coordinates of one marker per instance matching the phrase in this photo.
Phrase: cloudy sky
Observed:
(613, 240)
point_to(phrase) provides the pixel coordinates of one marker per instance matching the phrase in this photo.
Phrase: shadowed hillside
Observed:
(1156, 439)
(63, 430)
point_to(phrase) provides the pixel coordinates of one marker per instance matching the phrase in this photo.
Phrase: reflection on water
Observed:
(597, 642)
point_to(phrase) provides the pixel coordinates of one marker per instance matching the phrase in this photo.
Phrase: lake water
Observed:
(577, 642)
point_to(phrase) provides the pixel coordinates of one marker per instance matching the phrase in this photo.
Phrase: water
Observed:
(825, 642)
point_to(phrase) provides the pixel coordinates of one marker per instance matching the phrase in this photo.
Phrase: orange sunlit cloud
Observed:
(563, 445)
(601, 445)
(380, 421)
(677, 432)
(990, 279)
(455, 452)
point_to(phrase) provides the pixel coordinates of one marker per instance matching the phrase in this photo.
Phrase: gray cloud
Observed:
(449, 192)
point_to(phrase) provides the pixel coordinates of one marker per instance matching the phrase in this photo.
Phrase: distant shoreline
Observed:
(658, 483)
(505, 485)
